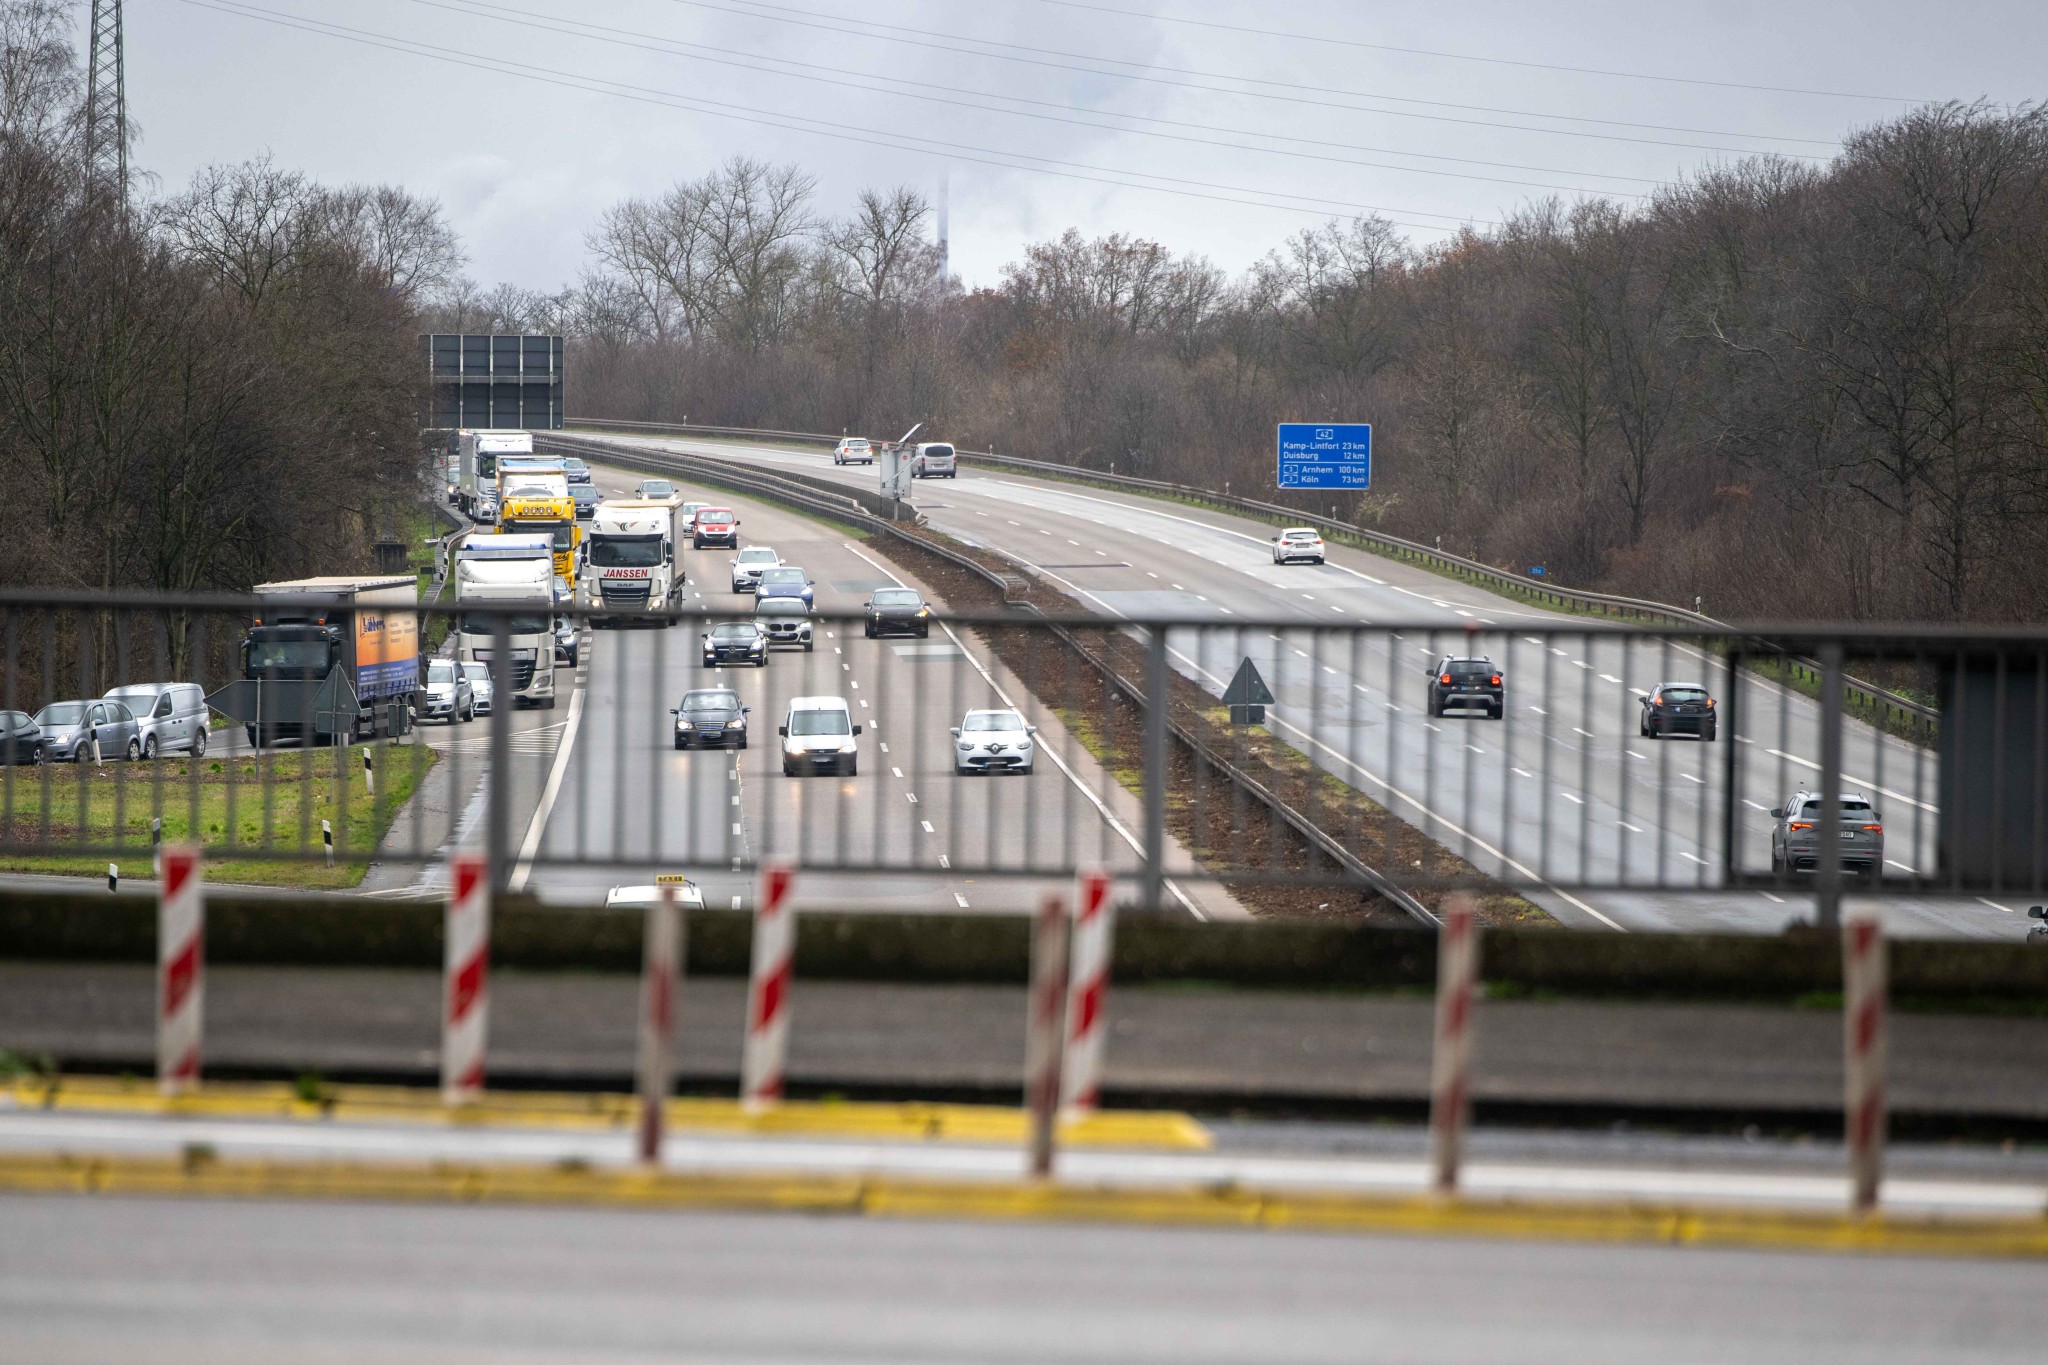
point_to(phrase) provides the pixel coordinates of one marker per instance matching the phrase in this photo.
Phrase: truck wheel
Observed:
(251, 732)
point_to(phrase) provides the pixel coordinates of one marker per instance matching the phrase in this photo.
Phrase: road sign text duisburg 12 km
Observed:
(1325, 455)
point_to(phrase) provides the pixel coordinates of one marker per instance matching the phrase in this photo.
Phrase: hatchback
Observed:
(69, 728)
(992, 741)
(1796, 834)
(21, 739)
(1466, 684)
(1678, 708)
(1298, 545)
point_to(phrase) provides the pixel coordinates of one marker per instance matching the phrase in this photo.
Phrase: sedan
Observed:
(784, 580)
(575, 470)
(1677, 708)
(898, 611)
(735, 642)
(21, 739)
(992, 741)
(69, 728)
(711, 717)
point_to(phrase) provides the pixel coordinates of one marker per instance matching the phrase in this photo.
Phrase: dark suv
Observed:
(1467, 683)
(1678, 708)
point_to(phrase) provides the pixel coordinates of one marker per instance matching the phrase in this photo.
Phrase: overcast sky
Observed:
(1116, 95)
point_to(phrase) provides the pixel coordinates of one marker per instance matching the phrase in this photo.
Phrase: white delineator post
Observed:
(767, 1043)
(1864, 1052)
(1044, 1021)
(465, 1011)
(1087, 991)
(1450, 1089)
(661, 962)
(180, 969)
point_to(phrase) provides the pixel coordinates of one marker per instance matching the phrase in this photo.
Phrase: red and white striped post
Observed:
(1864, 991)
(465, 1013)
(1450, 1089)
(1087, 992)
(767, 1044)
(180, 969)
(1044, 1019)
(661, 962)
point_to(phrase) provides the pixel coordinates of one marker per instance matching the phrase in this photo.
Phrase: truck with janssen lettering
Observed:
(632, 564)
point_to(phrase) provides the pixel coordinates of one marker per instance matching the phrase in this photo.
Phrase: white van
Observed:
(169, 717)
(818, 737)
(934, 460)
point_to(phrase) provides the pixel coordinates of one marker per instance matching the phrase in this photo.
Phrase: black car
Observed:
(740, 642)
(1466, 684)
(898, 611)
(1679, 708)
(21, 739)
(711, 717)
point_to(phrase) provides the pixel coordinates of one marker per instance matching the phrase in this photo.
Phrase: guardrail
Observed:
(1894, 712)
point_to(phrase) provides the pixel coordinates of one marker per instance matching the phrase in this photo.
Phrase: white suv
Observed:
(1298, 543)
(853, 450)
(748, 564)
(934, 460)
(992, 741)
(818, 736)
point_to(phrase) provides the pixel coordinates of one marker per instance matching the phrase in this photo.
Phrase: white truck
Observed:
(517, 572)
(632, 564)
(476, 472)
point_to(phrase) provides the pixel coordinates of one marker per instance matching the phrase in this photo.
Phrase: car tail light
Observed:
(1495, 680)
(1445, 679)
(1873, 829)
(1710, 703)
(1800, 824)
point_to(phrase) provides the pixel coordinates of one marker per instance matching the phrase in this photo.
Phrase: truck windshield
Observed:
(288, 655)
(617, 552)
(520, 623)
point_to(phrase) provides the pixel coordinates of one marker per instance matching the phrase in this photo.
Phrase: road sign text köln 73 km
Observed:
(1325, 454)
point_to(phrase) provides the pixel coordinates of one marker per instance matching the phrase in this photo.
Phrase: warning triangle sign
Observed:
(1247, 688)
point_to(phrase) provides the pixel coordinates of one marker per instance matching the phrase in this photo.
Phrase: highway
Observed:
(94, 1279)
(1563, 791)
(616, 790)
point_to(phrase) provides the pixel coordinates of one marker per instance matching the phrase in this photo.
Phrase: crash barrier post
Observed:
(767, 1042)
(180, 970)
(1044, 1018)
(660, 982)
(1088, 991)
(1450, 1090)
(465, 1015)
(1864, 1052)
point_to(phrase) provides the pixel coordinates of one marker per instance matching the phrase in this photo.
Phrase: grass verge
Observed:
(255, 816)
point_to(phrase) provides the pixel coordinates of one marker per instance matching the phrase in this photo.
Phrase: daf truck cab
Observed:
(476, 466)
(632, 560)
(515, 573)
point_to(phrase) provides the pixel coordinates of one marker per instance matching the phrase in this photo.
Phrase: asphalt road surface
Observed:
(98, 1279)
(1564, 791)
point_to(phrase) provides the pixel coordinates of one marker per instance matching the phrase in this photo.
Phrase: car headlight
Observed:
(736, 723)
(924, 611)
(966, 746)
(686, 725)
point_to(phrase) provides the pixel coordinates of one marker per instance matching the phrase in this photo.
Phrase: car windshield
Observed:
(736, 630)
(1683, 693)
(782, 606)
(572, 463)
(757, 556)
(476, 672)
(61, 713)
(440, 671)
(656, 488)
(693, 508)
(711, 699)
(994, 720)
(144, 694)
(719, 517)
(1469, 668)
(274, 654)
(612, 552)
(822, 722)
(782, 575)
(896, 597)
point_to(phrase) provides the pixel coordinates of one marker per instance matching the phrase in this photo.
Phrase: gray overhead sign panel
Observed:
(494, 379)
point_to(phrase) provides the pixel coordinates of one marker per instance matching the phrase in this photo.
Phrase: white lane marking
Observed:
(1475, 748)
(735, 827)
(944, 861)
(1306, 597)
(863, 703)
(1587, 733)
(1632, 829)
(1521, 772)
(1539, 710)
(1581, 663)
(735, 800)
(1463, 612)
(531, 844)
(1328, 669)
(1226, 611)
(1299, 654)
(927, 827)
(1639, 691)
(1109, 817)
(1694, 857)
(1532, 639)
(735, 902)
(1754, 806)
(1074, 543)
(1893, 862)
(1150, 574)
(1178, 588)
(1775, 900)
(959, 900)
(981, 514)
(1573, 799)
(1744, 739)
(1559, 653)
(1200, 598)
(1013, 523)
(846, 668)
(854, 685)
(1980, 900)
(1690, 778)
(1609, 677)
(1427, 726)
(1042, 531)
(732, 774)
(1851, 779)
(896, 772)
(912, 796)
(837, 650)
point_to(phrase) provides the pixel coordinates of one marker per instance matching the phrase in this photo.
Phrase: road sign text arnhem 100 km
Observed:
(1325, 454)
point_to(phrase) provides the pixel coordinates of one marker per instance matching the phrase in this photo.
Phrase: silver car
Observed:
(480, 686)
(1796, 834)
(171, 717)
(69, 728)
(447, 695)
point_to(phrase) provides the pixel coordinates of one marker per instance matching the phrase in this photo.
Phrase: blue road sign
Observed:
(1325, 454)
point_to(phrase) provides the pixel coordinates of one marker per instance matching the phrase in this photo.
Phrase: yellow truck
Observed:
(534, 499)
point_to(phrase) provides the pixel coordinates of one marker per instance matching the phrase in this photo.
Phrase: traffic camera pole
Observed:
(1154, 890)
(497, 834)
(1828, 869)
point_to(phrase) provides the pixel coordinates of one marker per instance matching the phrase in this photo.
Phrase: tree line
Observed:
(1789, 389)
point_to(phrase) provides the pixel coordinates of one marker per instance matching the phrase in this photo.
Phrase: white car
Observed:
(993, 741)
(688, 896)
(818, 736)
(748, 565)
(479, 675)
(446, 696)
(853, 450)
(1298, 544)
(934, 460)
